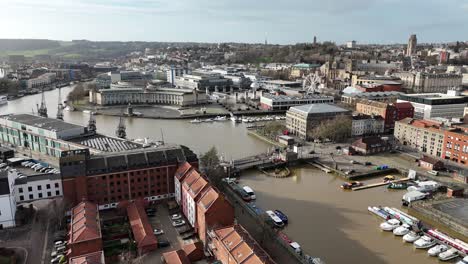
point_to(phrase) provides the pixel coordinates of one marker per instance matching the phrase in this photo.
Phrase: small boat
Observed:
(390, 224)
(411, 237)
(236, 119)
(398, 186)
(350, 185)
(449, 254)
(463, 261)
(219, 118)
(3, 100)
(378, 211)
(69, 108)
(276, 220)
(436, 250)
(86, 112)
(401, 230)
(282, 216)
(195, 121)
(424, 242)
(389, 178)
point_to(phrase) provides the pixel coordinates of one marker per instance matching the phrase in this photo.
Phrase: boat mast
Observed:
(92, 123)
(121, 129)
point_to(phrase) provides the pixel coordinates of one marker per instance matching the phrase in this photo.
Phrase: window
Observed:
(20, 190)
(31, 197)
(49, 194)
(47, 186)
(40, 195)
(30, 189)
(56, 185)
(21, 198)
(39, 187)
(57, 192)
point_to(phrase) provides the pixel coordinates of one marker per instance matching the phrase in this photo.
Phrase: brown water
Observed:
(332, 223)
(326, 221)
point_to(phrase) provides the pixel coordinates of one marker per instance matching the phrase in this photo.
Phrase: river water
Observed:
(326, 221)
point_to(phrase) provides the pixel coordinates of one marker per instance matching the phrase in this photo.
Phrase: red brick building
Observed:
(192, 189)
(92, 258)
(456, 145)
(141, 228)
(234, 245)
(179, 177)
(404, 110)
(175, 257)
(108, 178)
(84, 236)
(213, 210)
(378, 87)
(389, 112)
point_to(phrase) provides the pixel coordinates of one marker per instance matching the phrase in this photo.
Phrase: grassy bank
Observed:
(268, 140)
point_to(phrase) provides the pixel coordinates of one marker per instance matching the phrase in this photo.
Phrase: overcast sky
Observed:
(283, 21)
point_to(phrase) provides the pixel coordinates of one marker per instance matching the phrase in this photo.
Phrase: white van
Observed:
(250, 192)
(433, 172)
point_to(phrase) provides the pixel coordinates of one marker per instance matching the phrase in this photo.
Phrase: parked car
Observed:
(60, 249)
(176, 216)
(368, 163)
(163, 243)
(59, 243)
(177, 223)
(53, 254)
(158, 231)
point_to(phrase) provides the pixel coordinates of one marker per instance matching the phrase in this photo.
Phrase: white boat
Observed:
(449, 254)
(3, 100)
(436, 250)
(195, 121)
(402, 216)
(69, 108)
(378, 211)
(390, 224)
(463, 261)
(86, 112)
(276, 220)
(411, 237)
(453, 242)
(424, 242)
(236, 119)
(401, 230)
(220, 118)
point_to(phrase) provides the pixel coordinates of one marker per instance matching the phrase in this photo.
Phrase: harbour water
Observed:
(327, 221)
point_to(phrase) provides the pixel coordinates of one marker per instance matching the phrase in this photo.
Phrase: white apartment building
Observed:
(432, 105)
(30, 186)
(367, 125)
(174, 72)
(7, 201)
(42, 80)
(423, 82)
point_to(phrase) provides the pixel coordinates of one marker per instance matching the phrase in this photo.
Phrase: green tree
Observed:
(337, 129)
(210, 165)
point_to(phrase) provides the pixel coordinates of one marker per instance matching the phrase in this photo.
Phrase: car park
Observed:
(178, 223)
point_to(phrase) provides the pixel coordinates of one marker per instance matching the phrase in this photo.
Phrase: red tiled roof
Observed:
(194, 183)
(141, 228)
(92, 258)
(208, 198)
(176, 257)
(194, 251)
(84, 223)
(182, 170)
(402, 105)
(241, 246)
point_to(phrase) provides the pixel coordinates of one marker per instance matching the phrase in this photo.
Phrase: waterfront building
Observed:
(389, 112)
(179, 177)
(41, 80)
(103, 81)
(424, 135)
(192, 188)
(371, 145)
(92, 258)
(424, 82)
(412, 43)
(353, 98)
(204, 81)
(7, 201)
(111, 177)
(234, 245)
(300, 120)
(455, 144)
(150, 95)
(176, 71)
(127, 76)
(84, 236)
(367, 125)
(284, 102)
(432, 105)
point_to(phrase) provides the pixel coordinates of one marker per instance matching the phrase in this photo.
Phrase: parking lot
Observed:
(162, 220)
(457, 209)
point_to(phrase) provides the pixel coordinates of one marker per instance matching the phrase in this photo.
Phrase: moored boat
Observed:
(390, 224)
(350, 185)
(449, 254)
(436, 250)
(411, 237)
(424, 242)
(398, 186)
(455, 243)
(402, 230)
(195, 121)
(378, 211)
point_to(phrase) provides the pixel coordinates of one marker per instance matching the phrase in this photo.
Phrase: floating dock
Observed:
(379, 184)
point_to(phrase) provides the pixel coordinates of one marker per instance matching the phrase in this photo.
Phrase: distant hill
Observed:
(27, 44)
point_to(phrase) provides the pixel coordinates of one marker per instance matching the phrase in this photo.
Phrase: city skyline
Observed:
(367, 21)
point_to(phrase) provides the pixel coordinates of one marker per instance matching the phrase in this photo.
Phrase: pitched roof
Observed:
(241, 246)
(182, 170)
(318, 108)
(84, 223)
(208, 198)
(92, 258)
(176, 257)
(141, 228)
(194, 183)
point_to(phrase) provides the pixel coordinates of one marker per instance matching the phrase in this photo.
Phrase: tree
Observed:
(210, 165)
(57, 211)
(272, 129)
(8, 86)
(337, 129)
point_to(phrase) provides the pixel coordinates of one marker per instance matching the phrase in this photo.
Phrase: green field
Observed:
(27, 53)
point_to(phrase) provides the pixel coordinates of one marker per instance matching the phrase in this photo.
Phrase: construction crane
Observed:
(42, 109)
(120, 132)
(60, 105)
